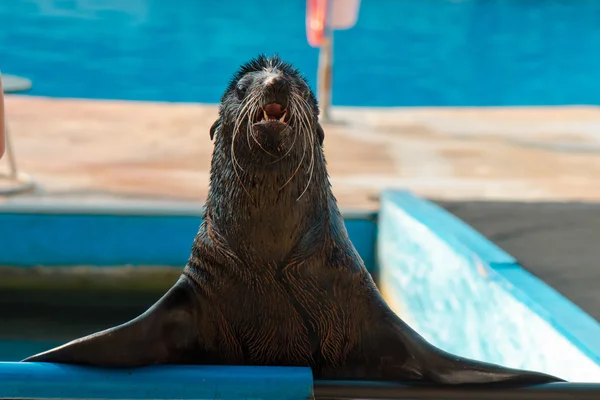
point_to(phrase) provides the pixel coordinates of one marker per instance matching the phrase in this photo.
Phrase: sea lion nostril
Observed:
(277, 89)
(276, 83)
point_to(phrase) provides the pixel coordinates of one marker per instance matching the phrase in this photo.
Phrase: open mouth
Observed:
(272, 112)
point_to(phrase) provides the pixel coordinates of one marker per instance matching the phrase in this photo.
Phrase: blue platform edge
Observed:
(434, 264)
(133, 234)
(54, 381)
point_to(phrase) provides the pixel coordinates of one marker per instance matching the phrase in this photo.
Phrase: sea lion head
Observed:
(268, 112)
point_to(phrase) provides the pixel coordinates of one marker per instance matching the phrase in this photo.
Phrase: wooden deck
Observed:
(83, 150)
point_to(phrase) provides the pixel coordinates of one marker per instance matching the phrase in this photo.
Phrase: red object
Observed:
(316, 11)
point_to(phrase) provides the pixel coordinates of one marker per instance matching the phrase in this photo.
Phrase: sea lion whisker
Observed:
(306, 126)
(238, 176)
(301, 159)
(249, 133)
(311, 167)
(236, 128)
(233, 156)
(301, 128)
(248, 108)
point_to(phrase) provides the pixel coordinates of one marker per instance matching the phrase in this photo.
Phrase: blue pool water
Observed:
(401, 53)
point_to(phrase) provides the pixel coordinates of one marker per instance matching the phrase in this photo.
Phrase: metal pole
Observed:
(12, 163)
(325, 69)
(24, 180)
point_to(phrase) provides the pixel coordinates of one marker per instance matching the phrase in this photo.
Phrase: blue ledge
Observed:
(105, 235)
(55, 381)
(38, 381)
(468, 296)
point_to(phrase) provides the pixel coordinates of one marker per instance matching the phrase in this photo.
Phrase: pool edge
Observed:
(562, 314)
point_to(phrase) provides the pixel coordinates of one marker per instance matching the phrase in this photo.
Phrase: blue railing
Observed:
(54, 381)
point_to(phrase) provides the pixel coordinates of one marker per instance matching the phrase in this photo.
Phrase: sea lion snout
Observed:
(271, 122)
(277, 85)
(276, 90)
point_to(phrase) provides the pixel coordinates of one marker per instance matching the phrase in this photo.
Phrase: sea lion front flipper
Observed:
(413, 356)
(165, 333)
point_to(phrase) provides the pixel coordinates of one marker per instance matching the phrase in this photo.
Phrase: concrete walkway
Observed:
(88, 150)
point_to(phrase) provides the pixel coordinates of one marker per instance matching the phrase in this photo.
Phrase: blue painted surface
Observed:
(400, 53)
(111, 238)
(470, 298)
(54, 381)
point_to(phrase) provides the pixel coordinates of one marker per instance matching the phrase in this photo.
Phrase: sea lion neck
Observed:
(259, 211)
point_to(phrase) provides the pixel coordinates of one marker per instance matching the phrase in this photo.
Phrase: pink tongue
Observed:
(274, 110)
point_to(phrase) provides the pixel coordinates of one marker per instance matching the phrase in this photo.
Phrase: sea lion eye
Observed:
(240, 91)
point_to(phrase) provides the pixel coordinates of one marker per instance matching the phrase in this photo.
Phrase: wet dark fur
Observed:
(273, 278)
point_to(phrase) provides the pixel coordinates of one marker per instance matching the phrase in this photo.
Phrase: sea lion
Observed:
(273, 278)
